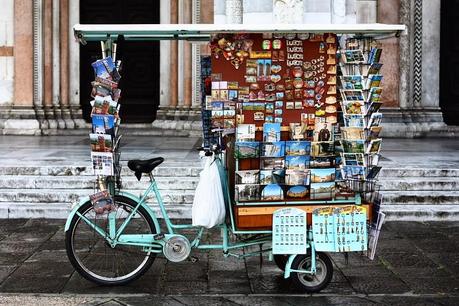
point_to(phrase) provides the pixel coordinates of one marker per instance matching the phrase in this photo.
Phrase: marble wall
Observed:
(6, 52)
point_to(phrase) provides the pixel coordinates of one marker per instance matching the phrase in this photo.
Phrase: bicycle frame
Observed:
(149, 242)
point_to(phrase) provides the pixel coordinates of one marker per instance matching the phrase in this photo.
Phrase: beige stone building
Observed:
(45, 75)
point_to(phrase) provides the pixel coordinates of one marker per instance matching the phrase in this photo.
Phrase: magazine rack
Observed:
(256, 216)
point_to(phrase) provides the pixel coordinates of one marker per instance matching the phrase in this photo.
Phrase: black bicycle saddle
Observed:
(144, 166)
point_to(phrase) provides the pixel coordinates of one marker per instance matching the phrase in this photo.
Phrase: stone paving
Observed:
(417, 263)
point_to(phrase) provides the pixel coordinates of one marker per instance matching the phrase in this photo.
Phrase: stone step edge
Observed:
(421, 212)
(18, 210)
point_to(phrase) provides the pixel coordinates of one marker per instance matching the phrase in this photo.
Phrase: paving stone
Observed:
(433, 284)
(376, 285)
(184, 287)
(407, 259)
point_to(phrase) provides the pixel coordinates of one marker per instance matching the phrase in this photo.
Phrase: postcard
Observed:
(216, 105)
(105, 69)
(354, 159)
(101, 142)
(373, 173)
(247, 149)
(353, 56)
(322, 162)
(272, 192)
(373, 108)
(352, 95)
(342, 190)
(103, 124)
(374, 132)
(215, 85)
(245, 132)
(322, 175)
(273, 149)
(322, 131)
(375, 120)
(297, 192)
(297, 162)
(322, 149)
(374, 68)
(354, 120)
(272, 163)
(353, 172)
(271, 132)
(352, 133)
(297, 177)
(353, 146)
(229, 124)
(296, 148)
(322, 191)
(353, 107)
(232, 94)
(272, 176)
(102, 163)
(247, 192)
(247, 176)
(375, 94)
(374, 147)
(351, 82)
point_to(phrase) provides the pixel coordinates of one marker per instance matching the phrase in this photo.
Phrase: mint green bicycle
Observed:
(119, 247)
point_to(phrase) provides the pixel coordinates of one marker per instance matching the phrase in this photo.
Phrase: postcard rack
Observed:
(305, 113)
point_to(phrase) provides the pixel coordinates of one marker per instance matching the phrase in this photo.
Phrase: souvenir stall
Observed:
(296, 111)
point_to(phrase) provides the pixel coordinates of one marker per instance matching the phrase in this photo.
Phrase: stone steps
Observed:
(414, 197)
(423, 183)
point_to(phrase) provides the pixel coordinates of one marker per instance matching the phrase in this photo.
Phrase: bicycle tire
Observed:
(83, 270)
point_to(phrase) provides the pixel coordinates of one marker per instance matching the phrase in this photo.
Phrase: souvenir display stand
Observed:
(298, 106)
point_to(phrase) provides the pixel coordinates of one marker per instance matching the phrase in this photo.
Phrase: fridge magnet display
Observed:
(322, 175)
(322, 191)
(247, 177)
(247, 149)
(272, 192)
(297, 192)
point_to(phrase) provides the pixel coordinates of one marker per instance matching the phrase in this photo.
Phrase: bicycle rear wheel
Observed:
(94, 259)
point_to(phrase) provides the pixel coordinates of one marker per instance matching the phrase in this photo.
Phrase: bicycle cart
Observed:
(295, 182)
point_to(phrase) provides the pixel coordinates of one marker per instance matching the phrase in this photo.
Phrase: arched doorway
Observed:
(140, 74)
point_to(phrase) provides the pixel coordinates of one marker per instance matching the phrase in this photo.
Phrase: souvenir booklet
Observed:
(297, 148)
(247, 149)
(102, 163)
(247, 192)
(273, 149)
(297, 177)
(247, 176)
(322, 191)
(323, 175)
(101, 142)
(271, 132)
(103, 124)
(245, 132)
(272, 192)
(297, 192)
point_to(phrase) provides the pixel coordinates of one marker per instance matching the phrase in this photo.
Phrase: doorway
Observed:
(449, 61)
(139, 82)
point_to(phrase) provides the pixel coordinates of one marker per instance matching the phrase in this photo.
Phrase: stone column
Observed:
(187, 59)
(57, 65)
(173, 63)
(64, 64)
(366, 11)
(50, 122)
(22, 119)
(234, 11)
(6, 60)
(164, 58)
(74, 67)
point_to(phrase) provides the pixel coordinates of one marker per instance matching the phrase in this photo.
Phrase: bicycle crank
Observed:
(177, 248)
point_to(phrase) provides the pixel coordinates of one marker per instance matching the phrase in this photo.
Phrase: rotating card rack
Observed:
(104, 137)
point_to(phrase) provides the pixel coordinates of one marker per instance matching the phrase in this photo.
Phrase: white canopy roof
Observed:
(87, 32)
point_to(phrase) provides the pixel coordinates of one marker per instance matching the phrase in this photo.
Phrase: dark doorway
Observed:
(449, 61)
(140, 75)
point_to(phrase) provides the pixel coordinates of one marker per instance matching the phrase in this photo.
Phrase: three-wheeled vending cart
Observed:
(291, 116)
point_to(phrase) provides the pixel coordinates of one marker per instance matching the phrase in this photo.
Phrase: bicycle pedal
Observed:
(158, 237)
(194, 259)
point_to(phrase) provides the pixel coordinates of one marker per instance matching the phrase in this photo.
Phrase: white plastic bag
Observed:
(209, 203)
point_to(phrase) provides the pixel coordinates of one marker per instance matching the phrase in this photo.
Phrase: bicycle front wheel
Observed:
(94, 259)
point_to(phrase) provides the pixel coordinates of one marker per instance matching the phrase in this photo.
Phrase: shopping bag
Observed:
(209, 204)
